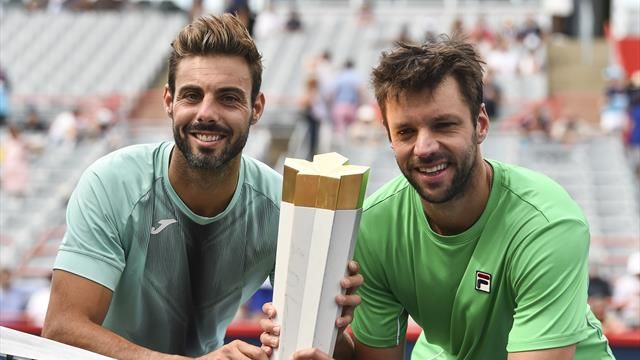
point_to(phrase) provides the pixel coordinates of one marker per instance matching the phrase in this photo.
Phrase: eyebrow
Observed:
(188, 88)
(446, 117)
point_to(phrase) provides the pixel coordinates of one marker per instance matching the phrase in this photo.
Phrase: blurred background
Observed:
(80, 78)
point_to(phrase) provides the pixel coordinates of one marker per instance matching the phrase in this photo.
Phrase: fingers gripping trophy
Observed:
(319, 218)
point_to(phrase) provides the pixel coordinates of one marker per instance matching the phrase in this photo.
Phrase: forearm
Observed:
(345, 348)
(90, 336)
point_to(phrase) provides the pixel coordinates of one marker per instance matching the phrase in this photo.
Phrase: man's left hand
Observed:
(349, 300)
(271, 331)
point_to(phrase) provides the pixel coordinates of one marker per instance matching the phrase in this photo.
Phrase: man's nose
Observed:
(425, 145)
(208, 110)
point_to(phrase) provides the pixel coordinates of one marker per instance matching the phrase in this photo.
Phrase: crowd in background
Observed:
(337, 106)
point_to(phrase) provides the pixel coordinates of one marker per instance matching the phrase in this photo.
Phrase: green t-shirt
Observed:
(177, 278)
(514, 281)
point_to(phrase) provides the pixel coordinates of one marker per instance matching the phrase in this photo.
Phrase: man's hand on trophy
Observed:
(311, 354)
(237, 350)
(349, 300)
(271, 331)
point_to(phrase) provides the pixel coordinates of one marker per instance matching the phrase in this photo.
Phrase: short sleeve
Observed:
(550, 277)
(380, 320)
(91, 246)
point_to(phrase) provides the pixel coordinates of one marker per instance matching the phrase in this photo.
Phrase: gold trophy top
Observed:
(326, 183)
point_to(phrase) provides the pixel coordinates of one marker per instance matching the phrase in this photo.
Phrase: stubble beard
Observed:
(460, 183)
(206, 160)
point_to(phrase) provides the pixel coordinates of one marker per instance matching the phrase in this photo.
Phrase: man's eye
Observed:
(405, 132)
(444, 125)
(229, 99)
(191, 96)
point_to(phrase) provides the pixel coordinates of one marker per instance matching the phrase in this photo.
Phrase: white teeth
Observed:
(433, 169)
(207, 137)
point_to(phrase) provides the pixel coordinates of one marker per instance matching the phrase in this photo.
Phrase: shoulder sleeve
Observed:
(549, 277)
(380, 320)
(91, 246)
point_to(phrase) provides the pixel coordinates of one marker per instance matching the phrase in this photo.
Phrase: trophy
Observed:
(319, 218)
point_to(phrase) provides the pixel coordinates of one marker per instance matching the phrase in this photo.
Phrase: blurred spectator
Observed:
(16, 164)
(613, 115)
(492, 95)
(600, 303)
(314, 111)
(366, 13)
(404, 37)
(348, 94)
(5, 90)
(321, 68)
(633, 126)
(367, 130)
(538, 123)
(502, 59)
(12, 298)
(457, 28)
(64, 128)
(481, 32)
(508, 31)
(326, 74)
(196, 10)
(268, 22)
(569, 128)
(531, 62)
(531, 34)
(241, 9)
(36, 307)
(482, 35)
(33, 122)
(293, 22)
(626, 293)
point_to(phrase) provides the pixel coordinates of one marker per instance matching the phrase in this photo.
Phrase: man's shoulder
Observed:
(533, 191)
(129, 160)
(388, 195)
(262, 179)
(132, 167)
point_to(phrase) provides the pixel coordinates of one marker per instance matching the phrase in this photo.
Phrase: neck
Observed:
(206, 192)
(460, 213)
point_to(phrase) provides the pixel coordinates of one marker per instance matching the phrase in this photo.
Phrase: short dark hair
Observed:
(412, 68)
(216, 35)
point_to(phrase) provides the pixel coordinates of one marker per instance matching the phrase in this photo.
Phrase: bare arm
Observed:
(76, 310)
(364, 352)
(563, 353)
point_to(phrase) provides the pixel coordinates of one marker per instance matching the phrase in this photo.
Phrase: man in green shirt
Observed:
(488, 258)
(165, 241)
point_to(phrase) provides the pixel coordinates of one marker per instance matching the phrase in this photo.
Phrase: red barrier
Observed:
(250, 329)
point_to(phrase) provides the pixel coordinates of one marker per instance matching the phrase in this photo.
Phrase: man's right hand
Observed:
(236, 350)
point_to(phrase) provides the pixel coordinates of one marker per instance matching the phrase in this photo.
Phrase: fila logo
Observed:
(483, 281)
(161, 225)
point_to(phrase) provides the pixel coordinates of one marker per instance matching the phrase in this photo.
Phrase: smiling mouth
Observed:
(432, 170)
(208, 137)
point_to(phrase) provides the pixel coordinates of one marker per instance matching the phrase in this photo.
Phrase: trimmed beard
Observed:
(460, 183)
(208, 160)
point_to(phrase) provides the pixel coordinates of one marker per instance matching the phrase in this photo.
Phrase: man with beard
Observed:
(164, 242)
(488, 258)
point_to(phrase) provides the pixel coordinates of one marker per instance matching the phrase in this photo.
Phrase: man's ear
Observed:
(258, 108)
(168, 101)
(482, 125)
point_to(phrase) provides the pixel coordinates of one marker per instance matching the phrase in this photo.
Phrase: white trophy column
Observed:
(292, 258)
